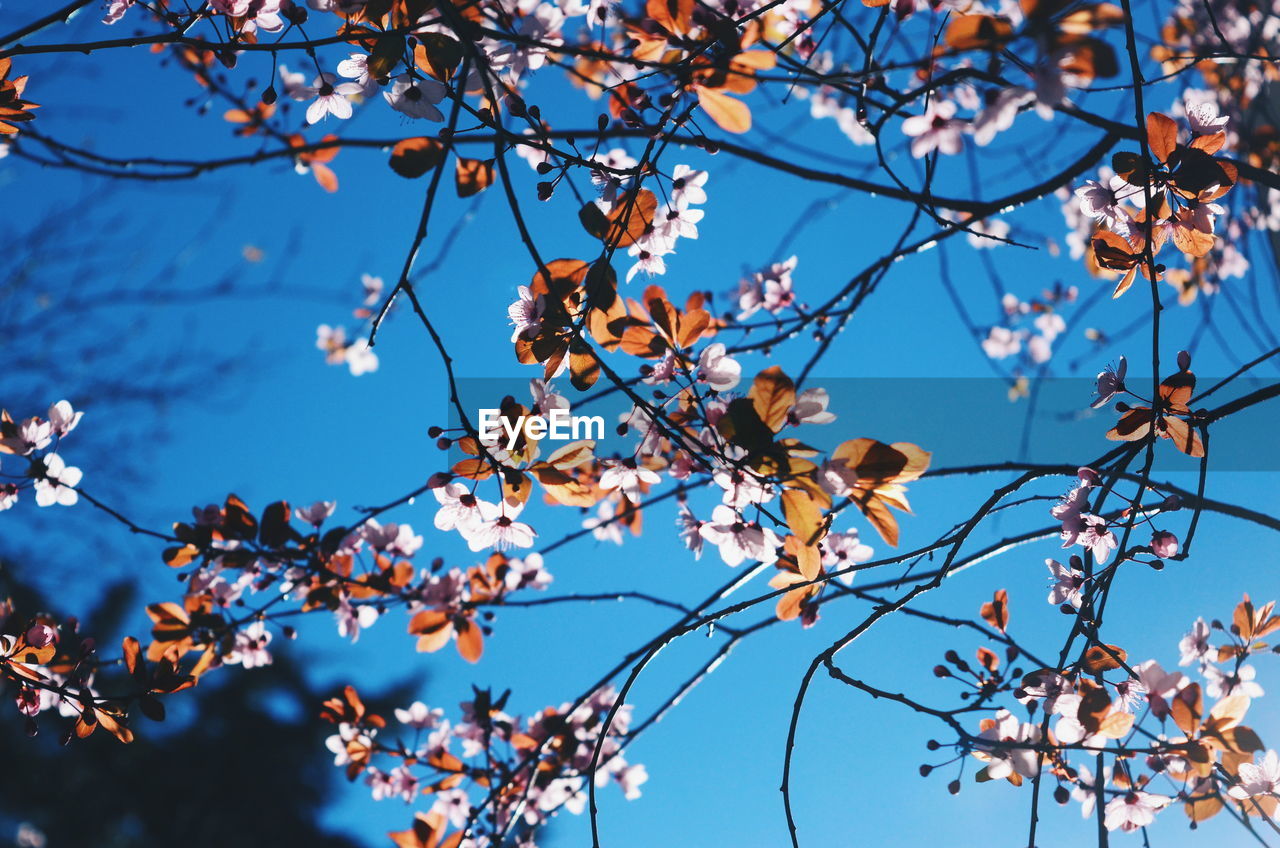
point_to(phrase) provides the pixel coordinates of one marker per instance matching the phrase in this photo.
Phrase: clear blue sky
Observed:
(284, 425)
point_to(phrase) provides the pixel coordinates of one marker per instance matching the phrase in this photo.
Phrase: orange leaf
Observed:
(1162, 135)
(773, 394)
(731, 114)
(803, 516)
(474, 176)
(1099, 658)
(470, 640)
(996, 611)
(413, 157)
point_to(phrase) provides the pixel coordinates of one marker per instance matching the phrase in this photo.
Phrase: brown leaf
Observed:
(773, 395)
(470, 640)
(473, 176)
(973, 32)
(1162, 135)
(803, 516)
(996, 611)
(1101, 658)
(414, 157)
(437, 54)
(675, 16)
(731, 114)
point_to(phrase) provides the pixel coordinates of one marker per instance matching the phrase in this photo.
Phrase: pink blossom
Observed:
(934, 130)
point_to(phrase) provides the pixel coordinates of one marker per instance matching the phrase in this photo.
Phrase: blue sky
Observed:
(284, 425)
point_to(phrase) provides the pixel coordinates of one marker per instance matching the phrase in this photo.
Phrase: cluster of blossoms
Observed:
(488, 774)
(1185, 183)
(768, 289)
(677, 218)
(37, 440)
(246, 563)
(1195, 754)
(354, 353)
(1234, 91)
(50, 667)
(1032, 344)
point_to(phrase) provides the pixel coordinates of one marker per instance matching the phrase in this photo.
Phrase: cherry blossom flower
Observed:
(57, 485)
(823, 105)
(63, 419)
(1102, 202)
(260, 14)
(987, 233)
(811, 408)
(1003, 761)
(1002, 342)
(1056, 693)
(8, 496)
(392, 539)
(718, 369)
(742, 488)
(545, 398)
(459, 509)
(250, 648)
(1069, 730)
(416, 98)
(1087, 790)
(499, 529)
(315, 514)
(1110, 383)
(1261, 777)
(1095, 536)
(419, 716)
(352, 619)
(360, 358)
(373, 287)
(999, 113)
(1159, 685)
(687, 185)
(356, 67)
(1204, 118)
(679, 219)
(454, 805)
(330, 98)
(1221, 684)
(630, 779)
(527, 573)
(526, 314)
(934, 130)
(738, 539)
(294, 85)
(1068, 581)
(341, 742)
(602, 525)
(33, 435)
(649, 251)
(1133, 810)
(842, 550)
(606, 179)
(1195, 646)
(115, 10)
(628, 476)
(333, 341)
(690, 530)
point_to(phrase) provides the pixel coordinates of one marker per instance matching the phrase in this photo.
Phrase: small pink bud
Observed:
(40, 635)
(1164, 544)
